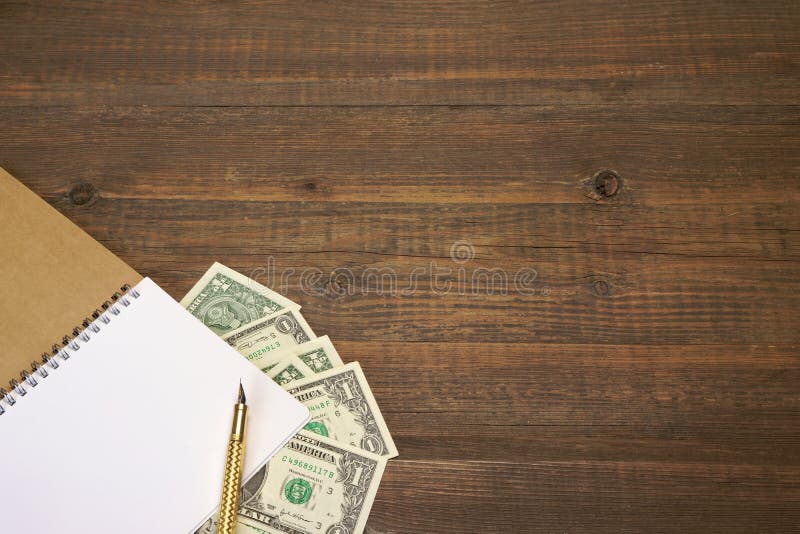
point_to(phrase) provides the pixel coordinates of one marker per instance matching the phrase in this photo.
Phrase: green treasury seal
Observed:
(298, 491)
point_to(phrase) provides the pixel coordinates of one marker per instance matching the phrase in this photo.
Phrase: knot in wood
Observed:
(82, 193)
(607, 183)
(601, 288)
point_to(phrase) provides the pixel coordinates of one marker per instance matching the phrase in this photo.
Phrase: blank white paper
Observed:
(129, 434)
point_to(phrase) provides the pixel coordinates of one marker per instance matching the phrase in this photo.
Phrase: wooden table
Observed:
(637, 162)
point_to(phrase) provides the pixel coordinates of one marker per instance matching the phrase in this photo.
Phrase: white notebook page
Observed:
(129, 434)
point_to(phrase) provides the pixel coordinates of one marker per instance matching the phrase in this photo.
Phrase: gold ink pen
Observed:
(229, 502)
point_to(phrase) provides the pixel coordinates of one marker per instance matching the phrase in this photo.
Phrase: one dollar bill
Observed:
(312, 485)
(261, 339)
(289, 369)
(318, 355)
(303, 361)
(342, 407)
(225, 300)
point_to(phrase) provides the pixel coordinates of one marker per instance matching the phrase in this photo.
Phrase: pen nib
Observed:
(242, 398)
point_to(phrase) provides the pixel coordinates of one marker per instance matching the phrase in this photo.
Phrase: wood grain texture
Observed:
(432, 154)
(641, 377)
(449, 52)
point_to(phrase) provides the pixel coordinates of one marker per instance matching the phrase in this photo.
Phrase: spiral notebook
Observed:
(117, 403)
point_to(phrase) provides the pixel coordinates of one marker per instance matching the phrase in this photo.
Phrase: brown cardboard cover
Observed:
(52, 276)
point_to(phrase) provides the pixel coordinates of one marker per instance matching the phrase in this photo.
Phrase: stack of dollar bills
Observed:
(325, 479)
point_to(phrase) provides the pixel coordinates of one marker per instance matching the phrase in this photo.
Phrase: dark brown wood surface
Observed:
(644, 377)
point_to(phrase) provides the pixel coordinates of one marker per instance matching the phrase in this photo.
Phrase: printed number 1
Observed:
(348, 391)
(357, 476)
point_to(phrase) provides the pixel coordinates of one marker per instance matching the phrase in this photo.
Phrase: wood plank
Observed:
(665, 403)
(680, 275)
(517, 233)
(501, 155)
(449, 52)
(507, 496)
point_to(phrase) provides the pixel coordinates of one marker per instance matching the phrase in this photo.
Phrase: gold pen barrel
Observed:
(239, 421)
(232, 479)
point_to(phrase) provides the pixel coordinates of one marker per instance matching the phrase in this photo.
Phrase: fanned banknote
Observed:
(342, 407)
(259, 340)
(312, 485)
(302, 361)
(226, 300)
(289, 369)
(318, 355)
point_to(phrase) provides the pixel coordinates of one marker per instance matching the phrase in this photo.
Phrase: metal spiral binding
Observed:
(59, 353)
